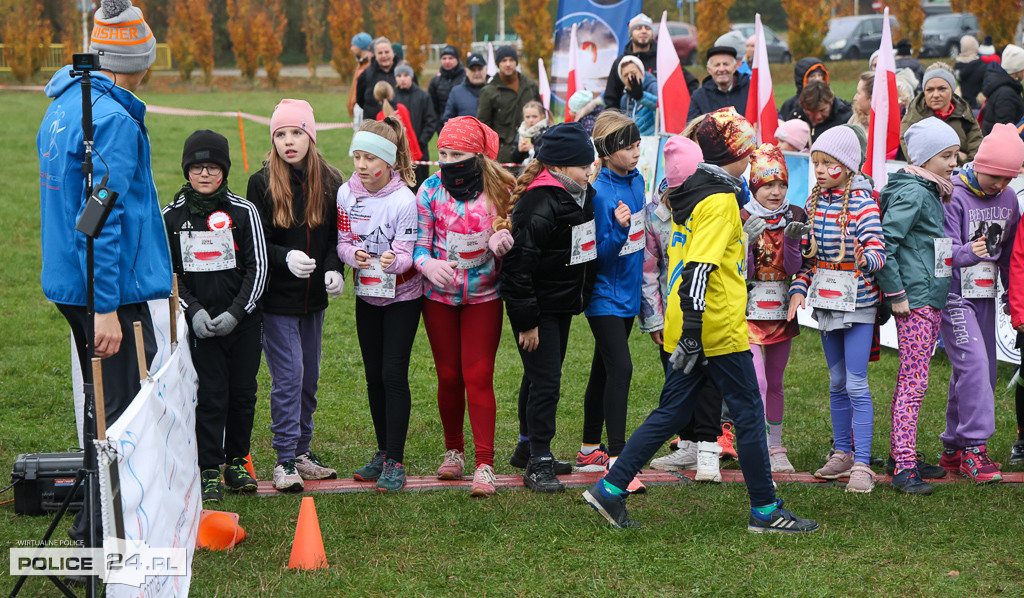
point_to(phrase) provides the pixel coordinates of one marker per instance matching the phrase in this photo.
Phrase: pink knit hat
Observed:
(794, 132)
(681, 158)
(1001, 152)
(294, 113)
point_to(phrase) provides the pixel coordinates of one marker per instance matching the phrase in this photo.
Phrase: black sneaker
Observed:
(909, 481)
(780, 520)
(1017, 452)
(237, 478)
(540, 475)
(210, 481)
(521, 458)
(926, 470)
(611, 507)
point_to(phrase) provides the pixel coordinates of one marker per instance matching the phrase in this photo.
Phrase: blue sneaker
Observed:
(611, 507)
(779, 520)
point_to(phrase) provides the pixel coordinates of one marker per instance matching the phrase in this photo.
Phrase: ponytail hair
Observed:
(531, 172)
(844, 215)
(498, 184)
(811, 207)
(384, 93)
(608, 122)
(392, 129)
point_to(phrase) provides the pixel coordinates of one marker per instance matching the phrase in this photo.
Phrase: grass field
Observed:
(961, 541)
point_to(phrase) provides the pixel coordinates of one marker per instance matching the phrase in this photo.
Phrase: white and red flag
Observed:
(884, 127)
(673, 95)
(544, 85)
(570, 86)
(761, 110)
(492, 67)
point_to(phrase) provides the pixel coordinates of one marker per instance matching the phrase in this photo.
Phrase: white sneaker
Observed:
(708, 454)
(685, 457)
(310, 467)
(287, 478)
(780, 462)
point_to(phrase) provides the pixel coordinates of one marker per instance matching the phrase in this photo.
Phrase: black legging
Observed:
(385, 335)
(706, 423)
(604, 404)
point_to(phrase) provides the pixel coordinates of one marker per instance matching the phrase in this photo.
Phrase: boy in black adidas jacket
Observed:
(220, 257)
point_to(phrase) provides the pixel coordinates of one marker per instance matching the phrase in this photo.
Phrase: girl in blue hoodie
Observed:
(618, 216)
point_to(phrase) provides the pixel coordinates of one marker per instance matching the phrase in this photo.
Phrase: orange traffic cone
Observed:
(308, 545)
(219, 530)
(248, 466)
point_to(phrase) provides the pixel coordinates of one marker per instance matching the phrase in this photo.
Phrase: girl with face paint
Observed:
(463, 236)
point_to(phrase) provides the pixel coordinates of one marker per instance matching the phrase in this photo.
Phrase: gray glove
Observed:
(796, 230)
(224, 324)
(754, 226)
(689, 352)
(202, 325)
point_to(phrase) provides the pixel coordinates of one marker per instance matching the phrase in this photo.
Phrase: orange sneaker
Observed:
(728, 441)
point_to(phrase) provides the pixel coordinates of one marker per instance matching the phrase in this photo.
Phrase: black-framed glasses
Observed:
(211, 169)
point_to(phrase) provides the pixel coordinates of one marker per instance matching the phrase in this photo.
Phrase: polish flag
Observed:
(492, 67)
(884, 128)
(544, 85)
(761, 111)
(673, 95)
(570, 86)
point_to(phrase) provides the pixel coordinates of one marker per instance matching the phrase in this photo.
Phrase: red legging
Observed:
(464, 340)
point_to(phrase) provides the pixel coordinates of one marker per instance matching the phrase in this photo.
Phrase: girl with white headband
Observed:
(376, 236)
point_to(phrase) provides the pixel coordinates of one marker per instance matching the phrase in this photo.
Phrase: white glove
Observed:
(300, 264)
(334, 282)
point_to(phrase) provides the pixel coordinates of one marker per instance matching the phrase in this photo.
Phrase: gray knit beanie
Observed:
(122, 37)
(928, 137)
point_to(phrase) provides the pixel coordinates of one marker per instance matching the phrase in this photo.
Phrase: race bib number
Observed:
(943, 257)
(768, 300)
(833, 289)
(635, 239)
(584, 244)
(207, 251)
(979, 281)
(469, 249)
(374, 281)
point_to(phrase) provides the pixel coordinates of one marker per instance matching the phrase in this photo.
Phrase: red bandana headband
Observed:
(467, 134)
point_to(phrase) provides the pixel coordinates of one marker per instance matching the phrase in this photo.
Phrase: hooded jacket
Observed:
(462, 101)
(614, 88)
(421, 115)
(501, 108)
(800, 71)
(365, 84)
(709, 98)
(132, 260)
(841, 114)
(619, 277)
(1005, 103)
(442, 84)
(971, 76)
(962, 120)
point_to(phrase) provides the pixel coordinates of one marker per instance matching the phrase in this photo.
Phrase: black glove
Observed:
(689, 352)
(635, 89)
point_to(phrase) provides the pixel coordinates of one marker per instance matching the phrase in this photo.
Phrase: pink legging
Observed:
(917, 334)
(770, 365)
(464, 341)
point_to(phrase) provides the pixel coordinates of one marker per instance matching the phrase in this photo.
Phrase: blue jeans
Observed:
(734, 376)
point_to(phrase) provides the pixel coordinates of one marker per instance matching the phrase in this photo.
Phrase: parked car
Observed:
(684, 38)
(942, 33)
(853, 38)
(778, 50)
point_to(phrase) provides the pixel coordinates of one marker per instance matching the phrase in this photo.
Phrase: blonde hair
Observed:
(392, 129)
(544, 113)
(531, 172)
(844, 215)
(384, 93)
(319, 176)
(690, 131)
(608, 122)
(498, 185)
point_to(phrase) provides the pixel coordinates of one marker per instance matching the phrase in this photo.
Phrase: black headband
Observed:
(613, 142)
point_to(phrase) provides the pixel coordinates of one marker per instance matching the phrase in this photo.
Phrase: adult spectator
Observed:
(938, 100)
(1002, 88)
(736, 40)
(451, 74)
(360, 49)
(382, 68)
(905, 59)
(464, 97)
(821, 109)
(502, 100)
(641, 45)
(722, 87)
(970, 71)
(861, 104)
(131, 256)
(804, 71)
(640, 102)
(421, 115)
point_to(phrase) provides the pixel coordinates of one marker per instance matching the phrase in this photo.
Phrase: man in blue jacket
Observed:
(722, 87)
(464, 97)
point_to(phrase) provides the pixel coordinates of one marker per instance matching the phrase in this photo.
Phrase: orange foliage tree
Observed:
(271, 29)
(459, 23)
(314, 26)
(346, 20)
(806, 30)
(996, 18)
(958, 5)
(26, 36)
(910, 17)
(244, 36)
(712, 22)
(179, 37)
(69, 29)
(534, 27)
(202, 37)
(415, 31)
(386, 21)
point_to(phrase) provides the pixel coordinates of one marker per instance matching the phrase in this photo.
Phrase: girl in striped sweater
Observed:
(845, 249)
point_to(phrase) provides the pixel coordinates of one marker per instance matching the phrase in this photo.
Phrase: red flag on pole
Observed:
(884, 127)
(570, 87)
(673, 95)
(761, 111)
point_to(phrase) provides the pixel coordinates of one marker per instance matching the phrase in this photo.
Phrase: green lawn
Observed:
(960, 541)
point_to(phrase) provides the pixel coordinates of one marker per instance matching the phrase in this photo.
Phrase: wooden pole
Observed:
(173, 304)
(101, 409)
(140, 352)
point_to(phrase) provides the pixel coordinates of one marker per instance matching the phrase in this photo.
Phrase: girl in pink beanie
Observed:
(793, 136)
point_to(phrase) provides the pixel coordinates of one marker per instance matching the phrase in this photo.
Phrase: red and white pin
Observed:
(219, 220)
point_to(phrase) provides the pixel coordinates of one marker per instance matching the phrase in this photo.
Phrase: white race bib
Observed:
(374, 281)
(768, 300)
(635, 238)
(469, 249)
(833, 289)
(979, 281)
(584, 243)
(207, 251)
(943, 257)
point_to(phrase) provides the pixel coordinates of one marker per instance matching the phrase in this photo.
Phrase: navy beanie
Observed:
(506, 52)
(206, 146)
(566, 144)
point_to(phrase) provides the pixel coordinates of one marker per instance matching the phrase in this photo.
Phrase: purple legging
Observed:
(917, 334)
(847, 351)
(770, 364)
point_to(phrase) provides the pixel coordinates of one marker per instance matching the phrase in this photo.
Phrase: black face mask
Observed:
(463, 180)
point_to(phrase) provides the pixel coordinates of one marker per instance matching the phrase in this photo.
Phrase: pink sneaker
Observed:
(595, 461)
(453, 465)
(483, 481)
(977, 466)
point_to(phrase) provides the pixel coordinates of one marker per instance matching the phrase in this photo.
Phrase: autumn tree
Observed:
(69, 31)
(346, 20)
(712, 22)
(202, 37)
(958, 5)
(910, 17)
(995, 18)
(314, 26)
(805, 19)
(271, 27)
(386, 21)
(245, 41)
(26, 37)
(534, 27)
(415, 31)
(179, 38)
(459, 23)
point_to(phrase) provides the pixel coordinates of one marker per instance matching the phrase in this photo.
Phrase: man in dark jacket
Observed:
(806, 70)
(382, 68)
(722, 87)
(451, 74)
(1002, 88)
(641, 45)
(820, 108)
(969, 71)
(502, 100)
(421, 114)
(464, 98)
